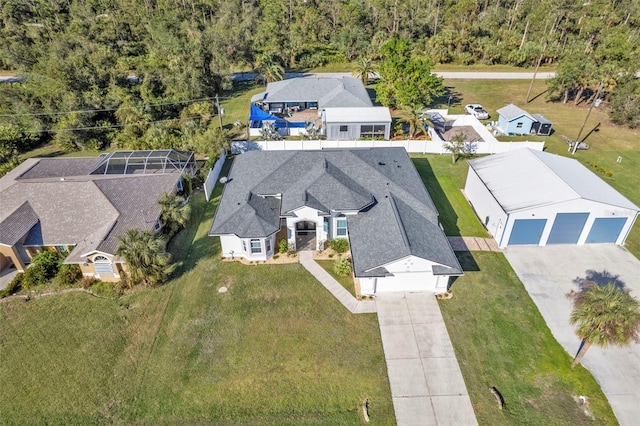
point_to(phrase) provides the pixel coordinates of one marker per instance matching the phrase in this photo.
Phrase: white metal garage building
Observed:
(536, 198)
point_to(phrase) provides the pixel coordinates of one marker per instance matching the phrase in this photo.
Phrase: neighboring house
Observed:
(373, 197)
(293, 104)
(514, 121)
(533, 197)
(79, 206)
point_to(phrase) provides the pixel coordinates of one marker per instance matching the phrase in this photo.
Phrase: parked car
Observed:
(477, 111)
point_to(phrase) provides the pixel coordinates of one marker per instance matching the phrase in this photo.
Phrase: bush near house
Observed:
(14, 286)
(283, 246)
(68, 275)
(44, 266)
(342, 266)
(339, 245)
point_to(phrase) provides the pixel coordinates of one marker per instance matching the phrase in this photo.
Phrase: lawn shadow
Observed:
(468, 263)
(601, 278)
(448, 98)
(448, 216)
(537, 96)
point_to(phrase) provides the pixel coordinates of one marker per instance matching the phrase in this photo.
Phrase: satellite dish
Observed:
(223, 180)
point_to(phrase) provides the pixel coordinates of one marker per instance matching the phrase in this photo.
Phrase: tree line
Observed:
(144, 74)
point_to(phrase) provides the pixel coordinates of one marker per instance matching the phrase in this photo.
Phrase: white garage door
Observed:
(409, 281)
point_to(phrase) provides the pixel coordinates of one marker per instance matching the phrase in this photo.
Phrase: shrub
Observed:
(283, 246)
(14, 286)
(342, 266)
(339, 245)
(87, 282)
(106, 289)
(68, 275)
(49, 261)
(34, 275)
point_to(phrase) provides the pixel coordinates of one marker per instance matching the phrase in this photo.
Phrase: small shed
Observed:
(357, 123)
(542, 126)
(515, 121)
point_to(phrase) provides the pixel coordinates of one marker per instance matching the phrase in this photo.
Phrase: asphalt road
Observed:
(447, 75)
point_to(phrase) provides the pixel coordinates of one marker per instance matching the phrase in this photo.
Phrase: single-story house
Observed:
(294, 104)
(372, 197)
(537, 198)
(79, 207)
(514, 121)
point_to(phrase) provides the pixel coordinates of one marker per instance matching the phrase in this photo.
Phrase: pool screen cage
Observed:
(145, 162)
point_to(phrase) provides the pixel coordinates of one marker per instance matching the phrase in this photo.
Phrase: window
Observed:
(325, 227)
(344, 128)
(244, 246)
(519, 125)
(157, 225)
(267, 244)
(372, 131)
(102, 265)
(341, 227)
(256, 247)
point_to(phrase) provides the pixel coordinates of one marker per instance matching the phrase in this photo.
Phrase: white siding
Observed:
(595, 210)
(485, 205)
(232, 243)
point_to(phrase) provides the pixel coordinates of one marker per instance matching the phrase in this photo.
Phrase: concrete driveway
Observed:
(548, 274)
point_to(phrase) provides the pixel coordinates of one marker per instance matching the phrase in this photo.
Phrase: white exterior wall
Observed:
(411, 274)
(595, 210)
(306, 214)
(233, 243)
(353, 130)
(485, 205)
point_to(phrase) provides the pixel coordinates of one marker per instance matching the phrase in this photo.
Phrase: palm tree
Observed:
(269, 67)
(603, 316)
(146, 256)
(363, 68)
(411, 116)
(174, 214)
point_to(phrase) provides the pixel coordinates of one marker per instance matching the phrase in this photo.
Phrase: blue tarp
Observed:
(259, 115)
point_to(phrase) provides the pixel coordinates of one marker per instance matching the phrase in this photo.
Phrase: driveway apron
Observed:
(426, 383)
(549, 273)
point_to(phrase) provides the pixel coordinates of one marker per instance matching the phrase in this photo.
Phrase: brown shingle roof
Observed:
(17, 224)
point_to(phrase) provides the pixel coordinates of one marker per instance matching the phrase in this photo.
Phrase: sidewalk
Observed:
(354, 305)
(473, 244)
(427, 387)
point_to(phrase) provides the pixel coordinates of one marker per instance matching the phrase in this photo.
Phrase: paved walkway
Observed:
(473, 244)
(426, 383)
(354, 305)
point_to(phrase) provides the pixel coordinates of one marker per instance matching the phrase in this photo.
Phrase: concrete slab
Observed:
(406, 378)
(399, 341)
(433, 341)
(392, 309)
(548, 274)
(482, 244)
(415, 411)
(453, 410)
(444, 376)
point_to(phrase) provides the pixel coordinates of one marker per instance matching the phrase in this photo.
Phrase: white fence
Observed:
(212, 177)
(412, 146)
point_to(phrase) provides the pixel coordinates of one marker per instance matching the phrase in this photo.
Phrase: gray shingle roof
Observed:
(511, 112)
(396, 215)
(83, 210)
(17, 224)
(328, 92)
(526, 178)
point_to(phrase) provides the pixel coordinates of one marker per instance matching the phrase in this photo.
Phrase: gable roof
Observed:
(17, 224)
(526, 178)
(328, 92)
(395, 218)
(511, 112)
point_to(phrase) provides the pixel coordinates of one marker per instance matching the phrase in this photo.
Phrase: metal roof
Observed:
(525, 178)
(396, 217)
(511, 112)
(357, 115)
(541, 118)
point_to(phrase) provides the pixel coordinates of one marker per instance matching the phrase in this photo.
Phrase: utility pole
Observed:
(577, 142)
(535, 72)
(219, 110)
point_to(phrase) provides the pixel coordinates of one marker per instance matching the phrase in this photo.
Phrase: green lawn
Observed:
(275, 349)
(501, 340)
(444, 182)
(346, 282)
